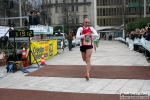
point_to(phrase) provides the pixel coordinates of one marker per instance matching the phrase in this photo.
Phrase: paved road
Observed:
(108, 53)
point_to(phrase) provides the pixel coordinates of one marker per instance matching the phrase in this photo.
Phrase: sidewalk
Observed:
(108, 53)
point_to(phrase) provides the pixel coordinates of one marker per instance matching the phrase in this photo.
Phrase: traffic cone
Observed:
(23, 53)
(24, 58)
(3, 56)
(25, 63)
(43, 60)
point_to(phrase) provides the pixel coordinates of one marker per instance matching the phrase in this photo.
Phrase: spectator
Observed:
(142, 32)
(148, 33)
(131, 37)
(70, 38)
(104, 37)
(110, 36)
(36, 19)
(136, 36)
(31, 14)
(126, 38)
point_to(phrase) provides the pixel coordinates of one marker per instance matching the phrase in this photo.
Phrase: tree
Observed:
(36, 4)
(122, 14)
(2, 13)
(27, 6)
(67, 13)
(139, 23)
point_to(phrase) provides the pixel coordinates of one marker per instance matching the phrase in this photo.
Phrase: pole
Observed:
(124, 25)
(144, 8)
(63, 28)
(20, 13)
(9, 21)
(140, 14)
(95, 14)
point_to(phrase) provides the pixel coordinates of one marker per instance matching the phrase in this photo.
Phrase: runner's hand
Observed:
(88, 34)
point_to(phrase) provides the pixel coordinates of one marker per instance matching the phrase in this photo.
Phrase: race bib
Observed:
(87, 41)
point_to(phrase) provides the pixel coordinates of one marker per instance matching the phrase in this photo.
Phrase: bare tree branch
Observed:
(65, 8)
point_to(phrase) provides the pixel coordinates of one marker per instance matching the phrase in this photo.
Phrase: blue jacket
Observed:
(36, 20)
(148, 35)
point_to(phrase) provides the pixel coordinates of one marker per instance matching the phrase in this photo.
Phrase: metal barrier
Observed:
(137, 41)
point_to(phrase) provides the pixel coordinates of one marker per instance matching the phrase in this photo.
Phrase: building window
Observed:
(84, 0)
(98, 12)
(76, 1)
(84, 8)
(64, 20)
(72, 20)
(64, 1)
(56, 9)
(72, 8)
(84, 16)
(104, 23)
(72, 1)
(77, 20)
(49, 21)
(76, 8)
(56, 1)
(103, 12)
(98, 2)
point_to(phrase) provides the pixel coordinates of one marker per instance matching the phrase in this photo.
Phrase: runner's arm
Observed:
(94, 34)
(78, 35)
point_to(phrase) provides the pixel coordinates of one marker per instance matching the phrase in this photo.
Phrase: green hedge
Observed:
(139, 23)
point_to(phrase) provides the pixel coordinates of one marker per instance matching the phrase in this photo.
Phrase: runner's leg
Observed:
(97, 44)
(83, 56)
(95, 47)
(88, 57)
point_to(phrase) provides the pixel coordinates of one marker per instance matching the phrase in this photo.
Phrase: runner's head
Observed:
(86, 22)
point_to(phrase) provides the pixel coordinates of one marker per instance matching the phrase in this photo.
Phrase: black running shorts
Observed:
(84, 48)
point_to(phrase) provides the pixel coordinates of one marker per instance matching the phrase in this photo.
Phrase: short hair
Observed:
(31, 12)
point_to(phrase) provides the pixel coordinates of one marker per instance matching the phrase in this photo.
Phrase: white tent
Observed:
(3, 30)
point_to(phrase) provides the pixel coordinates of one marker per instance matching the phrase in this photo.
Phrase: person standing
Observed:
(148, 33)
(36, 19)
(85, 34)
(70, 38)
(30, 19)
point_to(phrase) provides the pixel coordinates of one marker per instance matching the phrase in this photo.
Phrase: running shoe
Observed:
(87, 76)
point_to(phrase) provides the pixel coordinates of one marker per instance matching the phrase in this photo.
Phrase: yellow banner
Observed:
(48, 48)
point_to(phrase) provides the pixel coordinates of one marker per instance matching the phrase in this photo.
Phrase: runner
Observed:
(85, 34)
(95, 43)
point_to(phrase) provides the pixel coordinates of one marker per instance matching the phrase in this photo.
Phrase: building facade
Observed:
(107, 16)
(111, 12)
(76, 11)
(117, 13)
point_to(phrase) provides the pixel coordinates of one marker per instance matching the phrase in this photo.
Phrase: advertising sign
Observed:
(48, 48)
